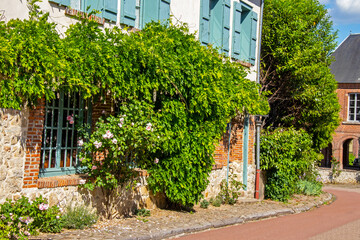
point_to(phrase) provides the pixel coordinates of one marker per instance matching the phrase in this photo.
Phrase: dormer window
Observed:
(354, 107)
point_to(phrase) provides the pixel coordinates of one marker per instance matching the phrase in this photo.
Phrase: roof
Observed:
(346, 67)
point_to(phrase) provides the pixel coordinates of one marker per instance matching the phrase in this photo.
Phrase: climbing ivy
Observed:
(196, 90)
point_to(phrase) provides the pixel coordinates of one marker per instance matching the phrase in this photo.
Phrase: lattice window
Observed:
(354, 107)
(59, 151)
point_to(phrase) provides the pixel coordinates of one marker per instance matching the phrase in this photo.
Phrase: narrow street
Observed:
(339, 220)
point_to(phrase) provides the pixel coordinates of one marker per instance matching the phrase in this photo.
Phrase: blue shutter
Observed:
(236, 37)
(254, 20)
(93, 5)
(110, 10)
(61, 2)
(164, 10)
(150, 11)
(216, 24)
(226, 26)
(128, 12)
(204, 33)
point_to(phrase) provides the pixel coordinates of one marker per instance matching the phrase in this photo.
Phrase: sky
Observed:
(345, 15)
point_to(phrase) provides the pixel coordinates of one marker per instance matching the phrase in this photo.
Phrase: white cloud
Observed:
(344, 11)
(349, 6)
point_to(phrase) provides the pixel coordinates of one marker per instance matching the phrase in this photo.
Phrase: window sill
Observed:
(61, 181)
(71, 180)
(351, 123)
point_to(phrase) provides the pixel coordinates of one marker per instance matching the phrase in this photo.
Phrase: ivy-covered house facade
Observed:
(38, 146)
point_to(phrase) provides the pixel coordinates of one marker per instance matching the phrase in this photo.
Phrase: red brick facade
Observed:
(347, 130)
(236, 146)
(33, 145)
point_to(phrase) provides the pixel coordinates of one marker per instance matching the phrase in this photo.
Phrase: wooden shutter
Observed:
(236, 37)
(128, 15)
(110, 10)
(254, 20)
(226, 26)
(93, 5)
(61, 2)
(204, 34)
(150, 11)
(164, 10)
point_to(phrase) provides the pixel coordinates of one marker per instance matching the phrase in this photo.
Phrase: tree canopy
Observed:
(297, 43)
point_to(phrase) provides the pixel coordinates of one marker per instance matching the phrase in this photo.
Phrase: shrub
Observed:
(142, 212)
(216, 202)
(286, 154)
(229, 193)
(204, 204)
(79, 217)
(309, 187)
(22, 218)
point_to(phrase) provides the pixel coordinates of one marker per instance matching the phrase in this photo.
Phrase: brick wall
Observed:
(346, 130)
(33, 145)
(236, 146)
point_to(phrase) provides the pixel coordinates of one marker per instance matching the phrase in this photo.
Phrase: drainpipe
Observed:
(245, 150)
(257, 178)
(228, 158)
(258, 120)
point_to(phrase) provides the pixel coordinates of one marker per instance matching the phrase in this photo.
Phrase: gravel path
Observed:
(166, 223)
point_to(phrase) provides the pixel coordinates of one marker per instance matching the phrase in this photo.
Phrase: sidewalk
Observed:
(168, 223)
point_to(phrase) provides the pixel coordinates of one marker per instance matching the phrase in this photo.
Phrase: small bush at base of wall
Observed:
(286, 155)
(79, 217)
(22, 218)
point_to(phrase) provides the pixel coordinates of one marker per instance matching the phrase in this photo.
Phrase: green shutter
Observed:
(216, 23)
(254, 20)
(61, 2)
(226, 26)
(236, 37)
(128, 12)
(204, 34)
(164, 10)
(150, 11)
(93, 5)
(110, 10)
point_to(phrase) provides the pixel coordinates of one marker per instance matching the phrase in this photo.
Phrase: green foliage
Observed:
(229, 193)
(79, 217)
(30, 63)
(188, 91)
(204, 203)
(351, 159)
(309, 187)
(216, 202)
(297, 41)
(142, 212)
(286, 155)
(22, 218)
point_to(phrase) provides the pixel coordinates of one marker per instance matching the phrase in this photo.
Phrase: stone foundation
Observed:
(235, 168)
(345, 176)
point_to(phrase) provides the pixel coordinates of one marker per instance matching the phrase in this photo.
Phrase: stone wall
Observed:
(13, 129)
(235, 169)
(345, 176)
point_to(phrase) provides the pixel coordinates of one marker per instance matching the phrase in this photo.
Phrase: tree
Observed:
(298, 40)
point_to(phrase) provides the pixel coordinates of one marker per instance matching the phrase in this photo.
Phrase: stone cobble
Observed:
(169, 223)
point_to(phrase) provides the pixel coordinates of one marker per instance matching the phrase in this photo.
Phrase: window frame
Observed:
(58, 166)
(355, 107)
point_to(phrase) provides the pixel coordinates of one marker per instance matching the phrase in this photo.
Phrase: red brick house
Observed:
(346, 69)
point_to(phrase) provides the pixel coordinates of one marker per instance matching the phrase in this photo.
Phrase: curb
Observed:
(236, 220)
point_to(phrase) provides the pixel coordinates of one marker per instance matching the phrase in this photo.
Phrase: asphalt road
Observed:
(339, 220)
